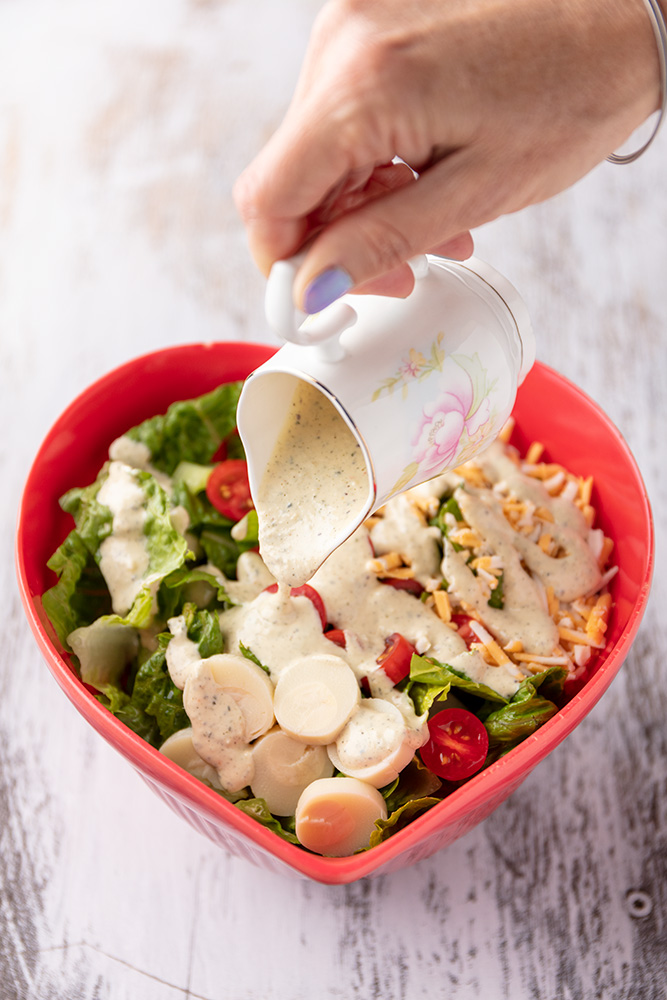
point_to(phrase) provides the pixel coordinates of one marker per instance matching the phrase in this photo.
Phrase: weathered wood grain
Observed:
(122, 127)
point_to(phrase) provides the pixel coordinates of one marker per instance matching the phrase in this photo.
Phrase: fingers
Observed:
(401, 280)
(333, 150)
(460, 247)
(367, 249)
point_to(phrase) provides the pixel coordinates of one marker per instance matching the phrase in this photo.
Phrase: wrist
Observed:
(655, 14)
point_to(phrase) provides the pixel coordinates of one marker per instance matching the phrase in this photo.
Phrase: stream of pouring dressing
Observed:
(315, 486)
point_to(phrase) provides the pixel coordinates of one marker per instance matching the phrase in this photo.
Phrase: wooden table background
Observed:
(123, 124)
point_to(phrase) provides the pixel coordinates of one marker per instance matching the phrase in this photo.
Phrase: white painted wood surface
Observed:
(122, 127)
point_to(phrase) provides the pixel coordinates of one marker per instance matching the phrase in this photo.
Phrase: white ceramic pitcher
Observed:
(424, 383)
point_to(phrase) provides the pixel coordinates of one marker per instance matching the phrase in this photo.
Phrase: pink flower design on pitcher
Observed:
(444, 421)
(412, 365)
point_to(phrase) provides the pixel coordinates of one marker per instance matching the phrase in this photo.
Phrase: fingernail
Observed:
(325, 289)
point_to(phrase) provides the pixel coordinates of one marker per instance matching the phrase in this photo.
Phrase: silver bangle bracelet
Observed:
(660, 32)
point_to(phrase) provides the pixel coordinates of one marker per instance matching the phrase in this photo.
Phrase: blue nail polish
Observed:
(325, 289)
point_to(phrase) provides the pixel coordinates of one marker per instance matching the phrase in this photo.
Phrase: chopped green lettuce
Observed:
(92, 519)
(258, 809)
(135, 718)
(80, 595)
(526, 712)
(400, 817)
(190, 431)
(497, 598)
(430, 681)
(221, 550)
(184, 586)
(414, 791)
(166, 548)
(155, 693)
(212, 531)
(249, 655)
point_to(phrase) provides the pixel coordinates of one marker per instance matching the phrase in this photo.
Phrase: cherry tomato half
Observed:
(336, 635)
(457, 746)
(306, 591)
(412, 586)
(463, 624)
(230, 444)
(395, 657)
(228, 489)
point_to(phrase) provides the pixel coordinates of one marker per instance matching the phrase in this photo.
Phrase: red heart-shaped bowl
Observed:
(549, 408)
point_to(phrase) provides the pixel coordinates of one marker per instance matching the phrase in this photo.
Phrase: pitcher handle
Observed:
(322, 329)
(297, 327)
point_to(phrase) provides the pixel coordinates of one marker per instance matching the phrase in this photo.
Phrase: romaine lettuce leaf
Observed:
(414, 791)
(399, 818)
(177, 588)
(431, 680)
(213, 531)
(80, 595)
(190, 431)
(526, 712)
(204, 629)
(514, 722)
(249, 655)
(497, 598)
(92, 519)
(166, 548)
(258, 809)
(155, 693)
(221, 549)
(414, 782)
(128, 711)
(201, 511)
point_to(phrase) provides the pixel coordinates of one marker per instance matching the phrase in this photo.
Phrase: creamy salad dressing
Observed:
(576, 571)
(376, 732)
(522, 615)
(277, 629)
(369, 738)
(218, 728)
(124, 558)
(252, 577)
(182, 653)
(315, 485)
(137, 455)
(357, 601)
(403, 529)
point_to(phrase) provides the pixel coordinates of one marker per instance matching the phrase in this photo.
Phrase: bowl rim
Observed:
(506, 771)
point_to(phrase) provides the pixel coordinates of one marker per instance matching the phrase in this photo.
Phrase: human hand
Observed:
(495, 104)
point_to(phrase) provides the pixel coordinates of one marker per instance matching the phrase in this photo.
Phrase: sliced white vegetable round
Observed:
(178, 747)
(283, 768)
(376, 744)
(336, 816)
(249, 686)
(314, 698)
